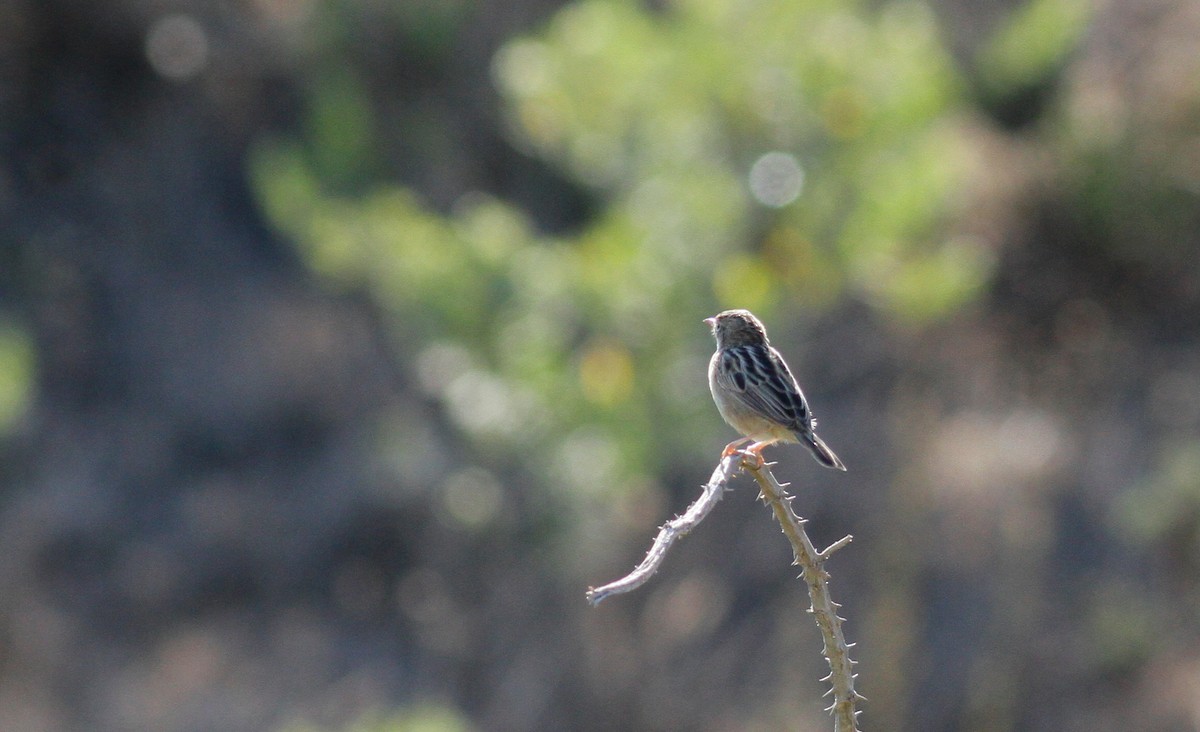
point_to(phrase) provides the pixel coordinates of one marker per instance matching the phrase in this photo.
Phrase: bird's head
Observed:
(737, 328)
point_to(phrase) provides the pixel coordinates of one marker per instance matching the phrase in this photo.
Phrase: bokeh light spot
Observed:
(776, 179)
(177, 47)
(472, 497)
(523, 68)
(606, 373)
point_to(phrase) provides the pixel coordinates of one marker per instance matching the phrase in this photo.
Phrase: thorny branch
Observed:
(823, 608)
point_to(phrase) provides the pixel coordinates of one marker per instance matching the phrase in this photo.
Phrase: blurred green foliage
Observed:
(419, 718)
(1166, 503)
(667, 115)
(16, 374)
(339, 125)
(776, 156)
(1033, 43)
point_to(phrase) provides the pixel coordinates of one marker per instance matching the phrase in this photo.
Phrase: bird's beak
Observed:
(710, 322)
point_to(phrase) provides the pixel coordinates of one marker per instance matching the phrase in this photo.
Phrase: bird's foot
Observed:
(754, 455)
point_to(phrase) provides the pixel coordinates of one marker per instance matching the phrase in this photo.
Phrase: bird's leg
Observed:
(733, 446)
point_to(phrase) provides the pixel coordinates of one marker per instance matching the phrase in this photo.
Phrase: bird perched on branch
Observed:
(756, 392)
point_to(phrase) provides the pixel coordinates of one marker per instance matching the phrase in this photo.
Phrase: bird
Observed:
(755, 391)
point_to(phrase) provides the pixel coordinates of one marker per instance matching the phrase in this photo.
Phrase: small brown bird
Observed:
(756, 392)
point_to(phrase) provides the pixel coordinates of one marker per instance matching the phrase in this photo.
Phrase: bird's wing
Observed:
(758, 377)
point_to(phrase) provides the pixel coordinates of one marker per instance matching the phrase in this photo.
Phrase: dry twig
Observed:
(670, 531)
(823, 608)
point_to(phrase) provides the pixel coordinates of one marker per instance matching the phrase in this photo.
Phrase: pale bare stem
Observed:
(824, 609)
(670, 531)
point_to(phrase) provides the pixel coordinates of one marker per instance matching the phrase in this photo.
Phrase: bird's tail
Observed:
(821, 451)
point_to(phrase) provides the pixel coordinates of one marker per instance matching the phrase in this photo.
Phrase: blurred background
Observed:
(345, 343)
